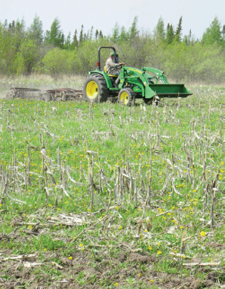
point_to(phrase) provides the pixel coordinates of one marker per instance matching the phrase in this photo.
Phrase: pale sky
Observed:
(103, 14)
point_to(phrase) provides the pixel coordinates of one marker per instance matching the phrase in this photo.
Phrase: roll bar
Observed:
(99, 53)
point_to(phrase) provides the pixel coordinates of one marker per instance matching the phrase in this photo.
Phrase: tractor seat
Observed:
(110, 75)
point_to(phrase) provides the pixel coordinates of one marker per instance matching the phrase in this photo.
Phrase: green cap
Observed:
(112, 54)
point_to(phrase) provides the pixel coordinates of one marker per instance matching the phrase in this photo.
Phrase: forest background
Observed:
(24, 51)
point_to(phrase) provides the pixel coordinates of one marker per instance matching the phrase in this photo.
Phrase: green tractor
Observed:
(146, 83)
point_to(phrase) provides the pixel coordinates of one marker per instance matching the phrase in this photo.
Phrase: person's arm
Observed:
(113, 64)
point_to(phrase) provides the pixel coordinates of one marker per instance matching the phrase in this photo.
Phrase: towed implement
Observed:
(146, 83)
(60, 94)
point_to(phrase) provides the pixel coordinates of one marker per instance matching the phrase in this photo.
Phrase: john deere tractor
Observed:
(146, 83)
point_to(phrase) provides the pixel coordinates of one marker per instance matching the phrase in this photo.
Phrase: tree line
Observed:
(183, 57)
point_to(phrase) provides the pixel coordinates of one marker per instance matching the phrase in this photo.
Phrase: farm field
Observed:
(106, 196)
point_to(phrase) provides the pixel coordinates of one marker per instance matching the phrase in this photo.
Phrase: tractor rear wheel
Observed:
(126, 96)
(95, 88)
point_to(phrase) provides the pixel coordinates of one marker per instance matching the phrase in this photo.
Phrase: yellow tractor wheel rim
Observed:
(124, 97)
(92, 90)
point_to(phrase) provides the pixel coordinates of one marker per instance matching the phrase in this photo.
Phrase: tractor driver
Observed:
(112, 67)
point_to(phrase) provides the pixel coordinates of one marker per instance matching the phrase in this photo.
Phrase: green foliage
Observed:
(178, 31)
(190, 63)
(213, 33)
(183, 59)
(188, 39)
(123, 34)
(159, 31)
(211, 66)
(11, 37)
(134, 29)
(26, 57)
(86, 56)
(129, 55)
(55, 36)
(35, 31)
(55, 62)
(81, 37)
(116, 33)
(169, 34)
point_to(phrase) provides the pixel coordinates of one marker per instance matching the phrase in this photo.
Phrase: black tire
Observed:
(126, 96)
(95, 88)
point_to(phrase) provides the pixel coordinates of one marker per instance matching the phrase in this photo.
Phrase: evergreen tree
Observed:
(116, 33)
(134, 30)
(96, 34)
(91, 33)
(62, 39)
(75, 41)
(35, 31)
(20, 28)
(169, 34)
(100, 34)
(68, 41)
(213, 33)
(159, 31)
(12, 26)
(55, 36)
(186, 38)
(223, 30)
(81, 37)
(178, 30)
(6, 23)
(123, 34)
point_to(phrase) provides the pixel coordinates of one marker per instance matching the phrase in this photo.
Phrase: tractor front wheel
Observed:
(95, 88)
(126, 96)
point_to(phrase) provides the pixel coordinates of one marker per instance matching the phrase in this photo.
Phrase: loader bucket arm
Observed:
(158, 73)
(138, 78)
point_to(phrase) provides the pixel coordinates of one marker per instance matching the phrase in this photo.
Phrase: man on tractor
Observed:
(113, 68)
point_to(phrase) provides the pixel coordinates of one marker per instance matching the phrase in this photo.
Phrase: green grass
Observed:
(182, 138)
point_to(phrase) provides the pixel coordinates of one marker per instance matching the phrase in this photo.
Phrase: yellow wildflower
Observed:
(202, 233)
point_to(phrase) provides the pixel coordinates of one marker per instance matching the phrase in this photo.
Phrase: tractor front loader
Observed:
(145, 83)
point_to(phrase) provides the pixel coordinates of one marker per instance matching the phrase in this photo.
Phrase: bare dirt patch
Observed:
(83, 270)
